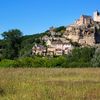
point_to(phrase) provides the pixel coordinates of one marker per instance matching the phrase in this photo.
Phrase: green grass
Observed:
(50, 84)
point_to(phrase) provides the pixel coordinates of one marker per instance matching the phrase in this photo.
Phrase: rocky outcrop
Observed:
(84, 34)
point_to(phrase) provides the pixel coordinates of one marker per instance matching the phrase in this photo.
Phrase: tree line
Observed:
(16, 51)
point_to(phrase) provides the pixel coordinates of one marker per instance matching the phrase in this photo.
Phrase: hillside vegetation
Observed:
(15, 45)
(80, 57)
(16, 51)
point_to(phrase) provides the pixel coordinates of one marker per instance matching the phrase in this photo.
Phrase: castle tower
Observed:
(96, 16)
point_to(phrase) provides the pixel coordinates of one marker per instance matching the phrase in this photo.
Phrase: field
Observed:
(50, 84)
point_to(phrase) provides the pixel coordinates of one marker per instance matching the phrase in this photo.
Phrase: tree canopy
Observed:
(12, 43)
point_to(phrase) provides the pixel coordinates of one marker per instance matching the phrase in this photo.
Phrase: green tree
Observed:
(13, 41)
(81, 57)
(96, 59)
(60, 29)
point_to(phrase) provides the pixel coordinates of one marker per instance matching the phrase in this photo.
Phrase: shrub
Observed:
(7, 63)
(23, 62)
(96, 58)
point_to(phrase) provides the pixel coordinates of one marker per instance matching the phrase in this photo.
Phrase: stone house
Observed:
(59, 48)
(45, 38)
(58, 45)
(59, 52)
(53, 32)
(64, 40)
(39, 50)
(67, 48)
(63, 49)
(50, 51)
(48, 43)
(54, 47)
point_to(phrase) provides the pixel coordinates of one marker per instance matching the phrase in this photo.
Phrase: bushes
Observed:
(96, 58)
(34, 62)
(6, 63)
(60, 62)
(80, 57)
(23, 62)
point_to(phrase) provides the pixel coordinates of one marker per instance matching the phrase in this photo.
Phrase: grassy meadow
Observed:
(50, 84)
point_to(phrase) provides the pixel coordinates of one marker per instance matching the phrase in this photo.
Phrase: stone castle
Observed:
(84, 19)
(97, 16)
(85, 30)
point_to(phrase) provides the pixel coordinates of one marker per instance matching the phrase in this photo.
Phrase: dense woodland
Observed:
(16, 51)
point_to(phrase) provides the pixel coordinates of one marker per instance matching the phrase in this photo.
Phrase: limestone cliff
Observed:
(84, 34)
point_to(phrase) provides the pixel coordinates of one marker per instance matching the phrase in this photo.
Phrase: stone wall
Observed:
(84, 20)
(96, 16)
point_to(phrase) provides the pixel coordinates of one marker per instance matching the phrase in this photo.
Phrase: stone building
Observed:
(96, 16)
(45, 38)
(48, 43)
(39, 50)
(84, 19)
(59, 48)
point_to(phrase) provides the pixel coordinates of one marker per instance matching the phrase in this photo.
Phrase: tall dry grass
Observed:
(50, 84)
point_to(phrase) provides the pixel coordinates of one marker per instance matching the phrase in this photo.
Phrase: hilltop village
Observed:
(83, 32)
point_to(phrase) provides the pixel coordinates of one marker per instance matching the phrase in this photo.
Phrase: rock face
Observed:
(83, 34)
(85, 31)
(84, 19)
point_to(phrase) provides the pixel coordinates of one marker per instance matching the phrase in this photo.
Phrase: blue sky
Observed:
(35, 16)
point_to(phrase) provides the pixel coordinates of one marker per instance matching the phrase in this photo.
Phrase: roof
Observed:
(57, 42)
(39, 47)
(86, 16)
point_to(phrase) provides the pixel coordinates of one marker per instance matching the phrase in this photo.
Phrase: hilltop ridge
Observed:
(84, 31)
